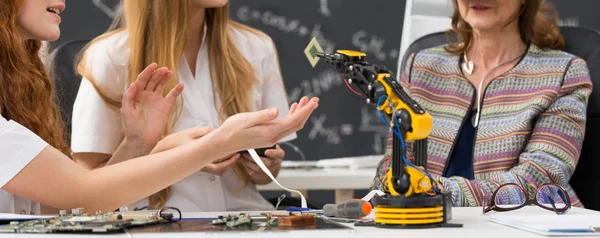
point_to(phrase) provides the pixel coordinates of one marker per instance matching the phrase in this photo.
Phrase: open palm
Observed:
(145, 111)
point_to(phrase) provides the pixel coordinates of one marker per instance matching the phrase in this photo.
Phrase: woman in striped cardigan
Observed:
(507, 105)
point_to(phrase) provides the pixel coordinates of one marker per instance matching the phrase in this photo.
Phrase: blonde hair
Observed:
(157, 33)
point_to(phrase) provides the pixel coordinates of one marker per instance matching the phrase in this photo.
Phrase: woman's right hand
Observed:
(261, 129)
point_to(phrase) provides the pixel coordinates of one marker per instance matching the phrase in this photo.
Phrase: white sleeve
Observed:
(18, 147)
(96, 126)
(273, 89)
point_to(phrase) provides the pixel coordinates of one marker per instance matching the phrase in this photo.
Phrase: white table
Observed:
(343, 181)
(474, 225)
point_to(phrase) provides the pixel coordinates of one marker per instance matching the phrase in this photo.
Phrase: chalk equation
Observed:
(110, 9)
(288, 26)
(333, 133)
(324, 8)
(568, 21)
(316, 86)
(373, 45)
(370, 122)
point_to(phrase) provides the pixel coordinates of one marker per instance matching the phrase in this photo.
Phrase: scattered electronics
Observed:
(80, 222)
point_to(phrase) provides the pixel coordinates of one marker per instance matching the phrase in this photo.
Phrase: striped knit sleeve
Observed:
(552, 151)
(384, 165)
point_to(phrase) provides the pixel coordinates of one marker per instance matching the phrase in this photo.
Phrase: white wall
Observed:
(423, 17)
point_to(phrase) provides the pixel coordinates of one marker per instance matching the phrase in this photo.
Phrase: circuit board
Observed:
(80, 222)
(243, 222)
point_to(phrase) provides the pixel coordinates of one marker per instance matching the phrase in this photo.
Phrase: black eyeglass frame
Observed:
(529, 201)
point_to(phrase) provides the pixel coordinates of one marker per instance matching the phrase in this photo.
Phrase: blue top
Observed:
(461, 159)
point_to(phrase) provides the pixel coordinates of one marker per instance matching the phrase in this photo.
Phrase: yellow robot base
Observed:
(416, 211)
(409, 216)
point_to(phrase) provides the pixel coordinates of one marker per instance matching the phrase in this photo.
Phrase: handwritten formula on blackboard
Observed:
(344, 125)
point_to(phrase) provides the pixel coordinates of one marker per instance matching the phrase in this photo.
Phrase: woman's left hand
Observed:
(272, 161)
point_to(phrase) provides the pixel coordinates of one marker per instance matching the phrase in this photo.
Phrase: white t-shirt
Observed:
(97, 128)
(18, 147)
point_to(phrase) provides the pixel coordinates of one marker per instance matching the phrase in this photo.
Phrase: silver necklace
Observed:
(468, 67)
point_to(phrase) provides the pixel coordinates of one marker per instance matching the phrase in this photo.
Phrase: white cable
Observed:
(479, 89)
(295, 148)
(371, 194)
(479, 99)
(279, 199)
(264, 168)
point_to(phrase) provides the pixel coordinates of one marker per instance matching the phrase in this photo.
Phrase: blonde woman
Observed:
(226, 67)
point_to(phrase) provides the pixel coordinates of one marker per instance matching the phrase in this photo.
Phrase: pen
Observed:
(592, 229)
(297, 209)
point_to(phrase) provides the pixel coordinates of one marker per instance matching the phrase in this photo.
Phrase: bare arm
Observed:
(126, 150)
(52, 178)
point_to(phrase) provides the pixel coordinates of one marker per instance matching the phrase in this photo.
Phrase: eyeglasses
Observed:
(511, 196)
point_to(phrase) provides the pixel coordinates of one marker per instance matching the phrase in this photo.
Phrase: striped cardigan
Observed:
(531, 127)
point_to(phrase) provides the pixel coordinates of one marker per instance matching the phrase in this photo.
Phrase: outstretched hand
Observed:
(261, 129)
(145, 111)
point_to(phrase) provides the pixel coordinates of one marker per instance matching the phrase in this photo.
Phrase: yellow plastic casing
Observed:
(421, 123)
(409, 216)
(352, 53)
(419, 182)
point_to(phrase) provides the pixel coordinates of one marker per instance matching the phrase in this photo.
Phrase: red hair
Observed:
(26, 90)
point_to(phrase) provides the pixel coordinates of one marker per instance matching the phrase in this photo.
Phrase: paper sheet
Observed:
(552, 225)
(19, 217)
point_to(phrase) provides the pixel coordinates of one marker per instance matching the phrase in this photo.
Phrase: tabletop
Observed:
(475, 224)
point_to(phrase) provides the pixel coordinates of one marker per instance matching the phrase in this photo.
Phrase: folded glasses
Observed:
(511, 196)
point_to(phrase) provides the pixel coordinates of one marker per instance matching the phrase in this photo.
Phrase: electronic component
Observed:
(272, 219)
(296, 219)
(260, 151)
(242, 219)
(311, 51)
(80, 222)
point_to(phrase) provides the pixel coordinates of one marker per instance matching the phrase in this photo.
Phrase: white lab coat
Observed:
(18, 147)
(97, 127)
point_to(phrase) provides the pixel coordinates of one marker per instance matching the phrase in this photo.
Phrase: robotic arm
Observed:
(412, 199)
(407, 119)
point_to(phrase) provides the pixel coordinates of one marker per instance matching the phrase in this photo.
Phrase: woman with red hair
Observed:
(35, 167)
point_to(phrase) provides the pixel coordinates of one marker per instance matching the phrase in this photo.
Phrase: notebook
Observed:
(553, 225)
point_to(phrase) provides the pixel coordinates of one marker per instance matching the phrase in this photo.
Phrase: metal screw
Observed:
(350, 67)
(350, 81)
(370, 87)
(368, 101)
